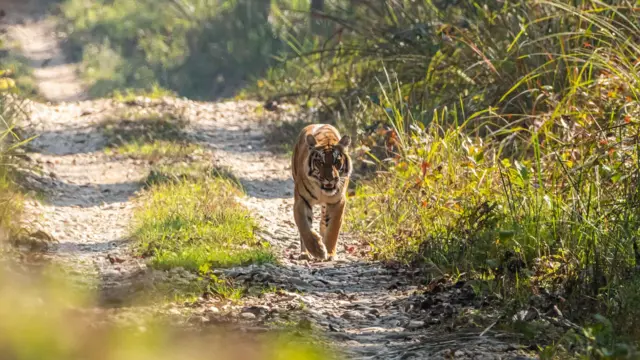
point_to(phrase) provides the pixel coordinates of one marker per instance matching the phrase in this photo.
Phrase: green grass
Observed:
(197, 225)
(11, 196)
(128, 95)
(504, 135)
(134, 125)
(178, 291)
(156, 149)
(149, 136)
(193, 172)
(527, 211)
(539, 221)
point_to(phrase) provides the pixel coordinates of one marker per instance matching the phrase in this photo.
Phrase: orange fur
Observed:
(321, 169)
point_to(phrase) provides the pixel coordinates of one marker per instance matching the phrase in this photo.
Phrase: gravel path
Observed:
(33, 33)
(364, 309)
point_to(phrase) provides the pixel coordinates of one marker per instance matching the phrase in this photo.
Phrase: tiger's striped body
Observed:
(321, 168)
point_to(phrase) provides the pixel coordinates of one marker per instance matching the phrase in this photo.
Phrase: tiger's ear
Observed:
(345, 141)
(311, 141)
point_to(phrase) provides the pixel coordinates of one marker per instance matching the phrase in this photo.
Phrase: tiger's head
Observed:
(329, 164)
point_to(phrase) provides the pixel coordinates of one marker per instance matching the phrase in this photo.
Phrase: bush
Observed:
(199, 49)
(503, 132)
(10, 196)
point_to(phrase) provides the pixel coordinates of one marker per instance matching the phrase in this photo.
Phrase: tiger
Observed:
(321, 169)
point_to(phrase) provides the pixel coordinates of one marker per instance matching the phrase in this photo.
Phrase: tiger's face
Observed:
(329, 166)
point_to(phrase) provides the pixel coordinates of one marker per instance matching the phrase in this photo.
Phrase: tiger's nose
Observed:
(331, 182)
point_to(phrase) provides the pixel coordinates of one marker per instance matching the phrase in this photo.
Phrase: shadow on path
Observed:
(64, 194)
(27, 23)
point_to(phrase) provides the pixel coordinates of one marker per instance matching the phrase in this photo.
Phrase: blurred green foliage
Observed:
(42, 317)
(196, 48)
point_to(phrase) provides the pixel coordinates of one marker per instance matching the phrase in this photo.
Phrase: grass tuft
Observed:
(188, 172)
(156, 149)
(11, 197)
(197, 225)
(148, 136)
(11, 205)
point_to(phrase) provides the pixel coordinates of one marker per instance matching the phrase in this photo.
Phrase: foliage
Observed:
(154, 150)
(197, 225)
(505, 135)
(194, 172)
(10, 111)
(599, 340)
(196, 48)
(10, 198)
(15, 73)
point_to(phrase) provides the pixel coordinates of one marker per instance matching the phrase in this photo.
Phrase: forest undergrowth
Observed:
(497, 140)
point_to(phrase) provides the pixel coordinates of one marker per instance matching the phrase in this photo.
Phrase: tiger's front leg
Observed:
(323, 221)
(310, 241)
(332, 216)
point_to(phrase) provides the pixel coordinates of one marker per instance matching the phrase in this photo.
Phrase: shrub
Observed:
(10, 196)
(504, 135)
(200, 49)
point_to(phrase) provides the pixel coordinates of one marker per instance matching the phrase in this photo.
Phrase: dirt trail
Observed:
(366, 310)
(33, 33)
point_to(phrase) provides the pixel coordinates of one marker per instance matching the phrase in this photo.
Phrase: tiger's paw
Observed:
(304, 256)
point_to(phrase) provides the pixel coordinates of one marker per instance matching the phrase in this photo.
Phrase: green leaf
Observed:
(492, 263)
(522, 170)
(506, 234)
(615, 178)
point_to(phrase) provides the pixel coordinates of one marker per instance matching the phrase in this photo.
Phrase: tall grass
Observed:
(10, 196)
(149, 136)
(505, 135)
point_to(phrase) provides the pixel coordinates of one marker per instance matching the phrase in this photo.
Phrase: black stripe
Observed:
(309, 192)
(345, 165)
(310, 160)
(327, 219)
(310, 219)
(306, 202)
